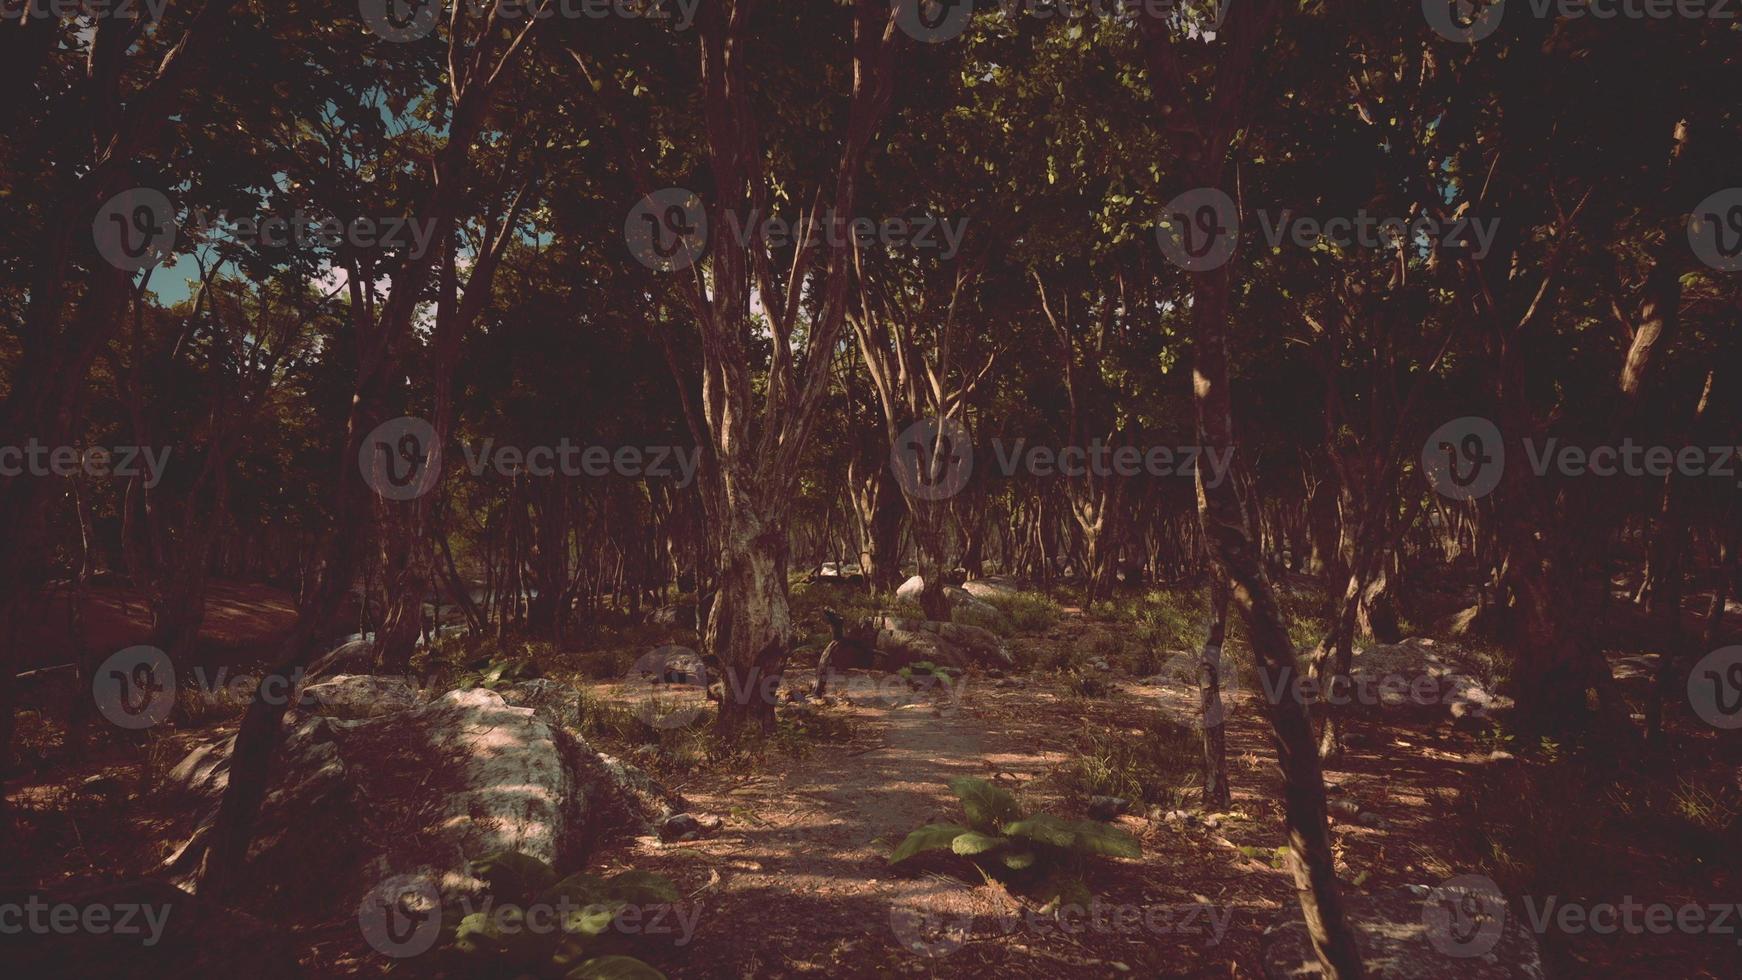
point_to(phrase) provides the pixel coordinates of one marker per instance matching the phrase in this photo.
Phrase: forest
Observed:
(590, 489)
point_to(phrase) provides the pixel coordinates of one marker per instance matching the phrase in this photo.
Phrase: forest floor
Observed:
(798, 882)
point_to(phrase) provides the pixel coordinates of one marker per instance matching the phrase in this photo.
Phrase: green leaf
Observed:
(614, 968)
(987, 806)
(513, 876)
(1045, 828)
(476, 936)
(931, 837)
(974, 842)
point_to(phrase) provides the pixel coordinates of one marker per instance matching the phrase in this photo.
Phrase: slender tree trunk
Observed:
(1210, 707)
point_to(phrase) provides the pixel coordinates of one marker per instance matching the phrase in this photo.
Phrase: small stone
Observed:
(1367, 818)
(1107, 807)
(679, 826)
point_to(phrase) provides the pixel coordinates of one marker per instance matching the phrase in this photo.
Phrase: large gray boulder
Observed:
(1399, 674)
(902, 641)
(992, 587)
(962, 600)
(420, 789)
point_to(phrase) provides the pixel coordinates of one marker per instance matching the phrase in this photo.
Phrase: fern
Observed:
(1044, 851)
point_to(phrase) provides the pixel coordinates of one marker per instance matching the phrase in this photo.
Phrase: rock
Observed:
(358, 696)
(354, 656)
(1180, 818)
(992, 587)
(1414, 673)
(1405, 936)
(420, 790)
(688, 826)
(1368, 818)
(1347, 808)
(556, 703)
(1501, 756)
(627, 798)
(1107, 807)
(910, 589)
(1100, 664)
(898, 636)
(679, 826)
(962, 600)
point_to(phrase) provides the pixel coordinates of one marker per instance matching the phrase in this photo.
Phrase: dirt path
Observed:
(805, 852)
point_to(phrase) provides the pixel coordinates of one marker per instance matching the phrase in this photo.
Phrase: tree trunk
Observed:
(750, 624)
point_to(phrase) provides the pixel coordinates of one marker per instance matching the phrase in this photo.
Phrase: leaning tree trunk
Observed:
(1230, 540)
(1220, 510)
